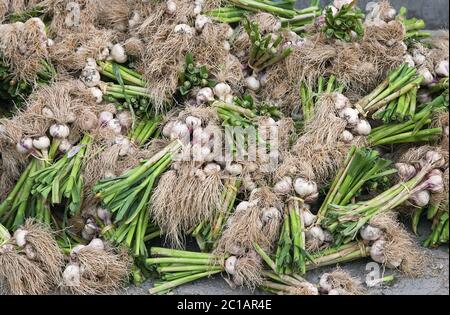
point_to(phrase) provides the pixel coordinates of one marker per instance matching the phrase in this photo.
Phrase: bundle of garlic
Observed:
(340, 282)
(177, 267)
(30, 261)
(345, 221)
(24, 59)
(95, 269)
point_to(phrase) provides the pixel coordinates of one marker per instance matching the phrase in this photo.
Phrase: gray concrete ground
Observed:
(435, 281)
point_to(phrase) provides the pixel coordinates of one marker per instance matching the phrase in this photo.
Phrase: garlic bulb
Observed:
(59, 131)
(48, 113)
(179, 131)
(441, 68)
(405, 171)
(270, 214)
(167, 130)
(230, 265)
(428, 77)
(115, 126)
(193, 122)
(221, 90)
(105, 117)
(118, 54)
(242, 206)
(125, 119)
(183, 29)
(234, 169)
(307, 217)
(418, 58)
(315, 233)
(253, 83)
(171, 7)
(377, 251)
(211, 168)
(20, 237)
(284, 186)
(324, 283)
(340, 101)
(363, 128)
(201, 21)
(97, 94)
(64, 146)
(350, 115)
(71, 275)
(41, 143)
(305, 188)
(204, 95)
(370, 233)
(96, 243)
(421, 198)
(90, 76)
(347, 136)
(409, 60)
(24, 145)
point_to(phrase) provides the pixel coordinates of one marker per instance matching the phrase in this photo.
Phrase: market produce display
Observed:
(275, 139)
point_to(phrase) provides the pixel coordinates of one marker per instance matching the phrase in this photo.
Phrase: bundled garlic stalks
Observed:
(95, 269)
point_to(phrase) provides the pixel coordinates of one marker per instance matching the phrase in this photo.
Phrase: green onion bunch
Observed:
(265, 51)
(361, 166)
(62, 182)
(310, 95)
(192, 76)
(127, 197)
(178, 267)
(345, 24)
(395, 99)
(291, 255)
(417, 129)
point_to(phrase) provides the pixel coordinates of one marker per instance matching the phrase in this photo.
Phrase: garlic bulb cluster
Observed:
(90, 76)
(223, 92)
(73, 272)
(117, 123)
(20, 238)
(356, 126)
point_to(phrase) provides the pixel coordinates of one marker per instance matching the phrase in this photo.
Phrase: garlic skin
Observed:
(284, 186)
(409, 60)
(441, 68)
(405, 171)
(370, 233)
(243, 206)
(418, 58)
(324, 283)
(316, 233)
(350, 115)
(193, 122)
(115, 126)
(230, 265)
(211, 168)
(118, 54)
(90, 76)
(270, 214)
(48, 113)
(105, 117)
(59, 131)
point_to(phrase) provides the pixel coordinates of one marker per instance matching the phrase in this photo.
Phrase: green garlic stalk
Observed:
(177, 267)
(265, 50)
(207, 234)
(346, 23)
(128, 197)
